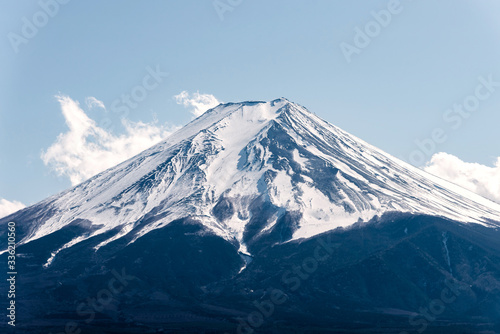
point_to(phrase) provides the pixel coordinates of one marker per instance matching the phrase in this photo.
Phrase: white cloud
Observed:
(8, 207)
(481, 179)
(92, 102)
(198, 103)
(87, 149)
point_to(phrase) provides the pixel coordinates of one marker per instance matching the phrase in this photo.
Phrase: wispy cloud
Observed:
(87, 149)
(8, 207)
(481, 179)
(92, 102)
(196, 102)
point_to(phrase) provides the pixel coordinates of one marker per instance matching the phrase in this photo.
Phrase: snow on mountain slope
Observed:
(237, 153)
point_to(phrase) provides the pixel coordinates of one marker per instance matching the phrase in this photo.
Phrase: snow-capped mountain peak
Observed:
(246, 170)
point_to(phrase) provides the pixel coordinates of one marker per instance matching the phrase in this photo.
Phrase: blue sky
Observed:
(396, 89)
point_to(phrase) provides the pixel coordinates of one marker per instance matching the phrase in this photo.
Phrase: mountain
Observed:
(259, 216)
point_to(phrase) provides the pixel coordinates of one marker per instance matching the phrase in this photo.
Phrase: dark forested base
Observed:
(398, 273)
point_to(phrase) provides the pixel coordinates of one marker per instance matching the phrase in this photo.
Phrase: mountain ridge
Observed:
(211, 223)
(237, 152)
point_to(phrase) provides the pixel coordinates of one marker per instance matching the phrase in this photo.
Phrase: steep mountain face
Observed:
(211, 220)
(236, 156)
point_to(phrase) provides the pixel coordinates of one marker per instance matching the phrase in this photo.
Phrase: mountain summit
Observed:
(236, 196)
(222, 164)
